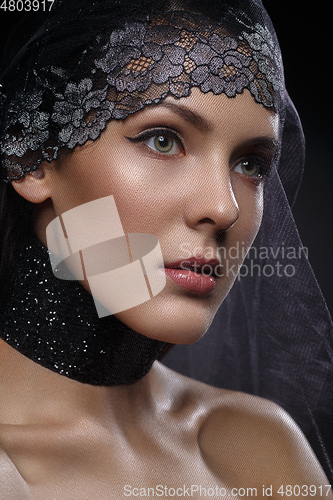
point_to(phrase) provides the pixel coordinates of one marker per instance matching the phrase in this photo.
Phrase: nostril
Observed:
(206, 220)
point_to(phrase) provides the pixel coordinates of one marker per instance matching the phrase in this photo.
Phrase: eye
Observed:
(161, 141)
(254, 168)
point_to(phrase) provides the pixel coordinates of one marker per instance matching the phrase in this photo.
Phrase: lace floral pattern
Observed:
(71, 108)
(139, 66)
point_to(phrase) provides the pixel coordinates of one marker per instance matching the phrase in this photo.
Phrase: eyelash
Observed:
(262, 162)
(155, 133)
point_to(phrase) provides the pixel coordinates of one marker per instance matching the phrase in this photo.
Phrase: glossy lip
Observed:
(197, 275)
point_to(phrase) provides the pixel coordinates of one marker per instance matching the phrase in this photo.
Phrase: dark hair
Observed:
(15, 225)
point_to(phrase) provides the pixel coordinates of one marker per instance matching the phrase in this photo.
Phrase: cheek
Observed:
(251, 204)
(139, 208)
(141, 197)
(253, 211)
(87, 179)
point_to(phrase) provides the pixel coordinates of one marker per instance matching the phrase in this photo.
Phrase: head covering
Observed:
(80, 68)
(58, 103)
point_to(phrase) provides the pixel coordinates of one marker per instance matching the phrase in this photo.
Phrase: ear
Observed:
(33, 187)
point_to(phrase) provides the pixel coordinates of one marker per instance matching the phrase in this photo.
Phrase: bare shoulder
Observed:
(249, 440)
(257, 440)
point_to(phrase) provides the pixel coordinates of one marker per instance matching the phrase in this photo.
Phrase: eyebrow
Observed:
(267, 144)
(190, 116)
(264, 141)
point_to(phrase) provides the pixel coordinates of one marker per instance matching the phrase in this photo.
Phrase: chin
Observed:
(179, 320)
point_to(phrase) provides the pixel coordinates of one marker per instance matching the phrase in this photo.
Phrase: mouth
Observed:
(197, 275)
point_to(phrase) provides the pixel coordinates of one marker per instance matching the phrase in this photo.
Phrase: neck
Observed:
(54, 323)
(31, 394)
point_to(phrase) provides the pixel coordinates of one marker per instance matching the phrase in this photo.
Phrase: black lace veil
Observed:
(272, 336)
(57, 106)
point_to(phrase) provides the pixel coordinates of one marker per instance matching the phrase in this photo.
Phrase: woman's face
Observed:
(189, 171)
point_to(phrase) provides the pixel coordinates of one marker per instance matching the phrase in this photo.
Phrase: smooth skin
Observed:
(199, 184)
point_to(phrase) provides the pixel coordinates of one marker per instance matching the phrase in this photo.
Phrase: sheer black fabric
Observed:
(68, 336)
(149, 55)
(66, 77)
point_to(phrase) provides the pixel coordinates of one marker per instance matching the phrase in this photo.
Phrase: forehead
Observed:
(237, 119)
(215, 110)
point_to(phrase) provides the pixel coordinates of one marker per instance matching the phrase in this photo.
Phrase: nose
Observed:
(212, 203)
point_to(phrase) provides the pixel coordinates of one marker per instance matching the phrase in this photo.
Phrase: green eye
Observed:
(256, 169)
(163, 144)
(253, 168)
(250, 168)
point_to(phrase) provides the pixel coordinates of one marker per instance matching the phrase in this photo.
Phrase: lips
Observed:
(197, 275)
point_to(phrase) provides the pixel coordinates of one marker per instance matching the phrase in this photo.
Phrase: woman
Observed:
(171, 121)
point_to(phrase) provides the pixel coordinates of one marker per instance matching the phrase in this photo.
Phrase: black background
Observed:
(304, 34)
